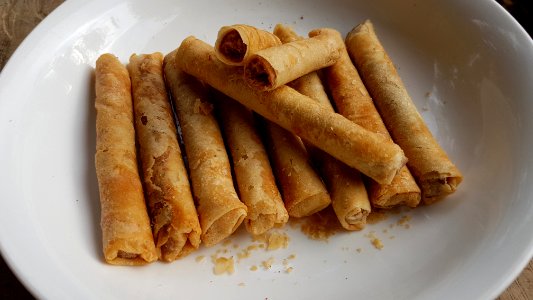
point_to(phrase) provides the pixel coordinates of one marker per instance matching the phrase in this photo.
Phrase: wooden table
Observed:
(18, 18)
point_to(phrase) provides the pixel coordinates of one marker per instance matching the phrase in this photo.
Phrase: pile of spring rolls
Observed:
(261, 139)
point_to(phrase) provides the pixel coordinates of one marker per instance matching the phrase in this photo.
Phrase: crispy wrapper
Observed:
(174, 218)
(436, 175)
(255, 180)
(126, 234)
(353, 101)
(237, 43)
(349, 197)
(304, 193)
(221, 212)
(370, 153)
(273, 67)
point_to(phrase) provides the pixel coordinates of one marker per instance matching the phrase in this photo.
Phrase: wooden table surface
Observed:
(18, 18)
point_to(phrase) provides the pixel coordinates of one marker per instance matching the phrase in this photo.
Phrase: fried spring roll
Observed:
(353, 101)
(255, 180)
(349, 197)
(303, 191)
(436, 175)
(220, 210)
(370, 153)
(175, 224)
(126, 234)
(273, 67)
(235, 44)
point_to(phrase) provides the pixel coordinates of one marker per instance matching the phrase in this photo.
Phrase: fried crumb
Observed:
(277, 241)
(376, 217)
(404, 222)
(235, 246)
(289, 269)
(322, 225)
(223, 265)
(359, 250)
(292, 256)
(377, 243)
(267, 264)
(241, 284)
(253, 268)
(226, 242)
(199, 258)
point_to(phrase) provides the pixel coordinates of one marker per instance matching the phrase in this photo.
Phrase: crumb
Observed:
(235, 246)
(267, 264)
(377, 243)
(285, 262)
(376, 217)
(385, 230)
(404, 222)
(428, 94)
(391, 237)
(260, 238)
(277, 241)
(345, 261)
(359, 250)
(253, 268)
(301, 17)
(202, 107)
(199, 258)
(292, 256)
(322, 225)
(289, 269)
(241, 284)
(226, 242)
(262, 246)
(223, 265)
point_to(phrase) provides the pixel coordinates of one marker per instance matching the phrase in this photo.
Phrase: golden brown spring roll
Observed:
(220, 210)
(126, 234)
(175, 224)
(273, 67)
(255, 180)
(436, 175)
(370, 153)
(303, 191)
(235, 44)
(354, 102)
(349, 197)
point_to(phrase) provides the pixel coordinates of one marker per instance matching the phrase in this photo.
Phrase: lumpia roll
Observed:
(219, 208)
(370, 153)
(273, 67)
(304, 193)
(353, 101)
(436, 175)
(235, 44)
(255, 180)
(349, 197)
(175, 224)
(126, 234)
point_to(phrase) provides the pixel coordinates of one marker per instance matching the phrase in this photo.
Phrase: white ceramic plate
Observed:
(467, 64)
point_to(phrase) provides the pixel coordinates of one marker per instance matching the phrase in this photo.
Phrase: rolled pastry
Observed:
(255, 180)
(235, 44)
(349, 197)
(353, 101)
(219, 208)
(436, 175)
(370, 153)
(273, 67)
(174, 218)
(126, 234)
(304, 193)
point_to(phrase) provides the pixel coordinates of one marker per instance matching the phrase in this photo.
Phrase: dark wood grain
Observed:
(18, 18)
